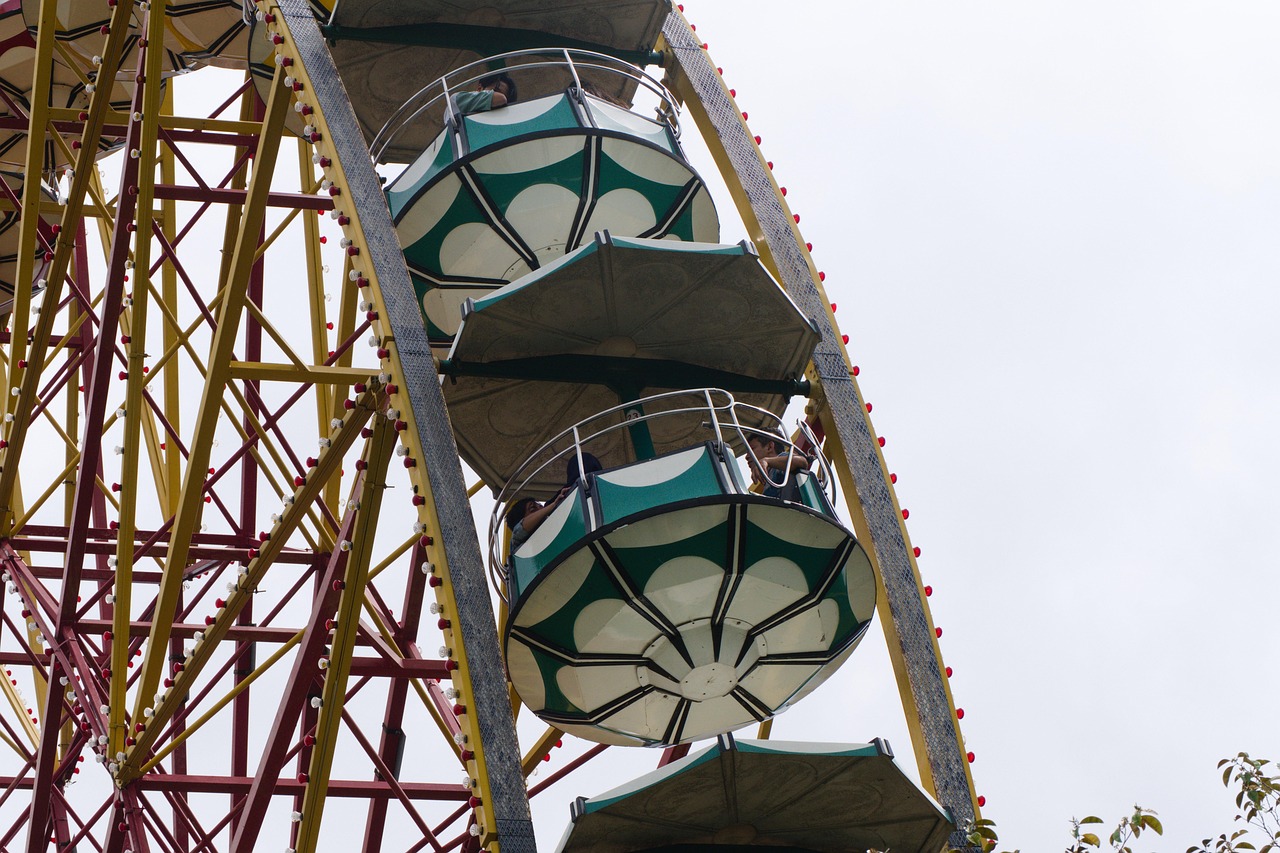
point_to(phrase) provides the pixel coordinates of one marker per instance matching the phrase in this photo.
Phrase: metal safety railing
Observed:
(437, 96)
(724, 424)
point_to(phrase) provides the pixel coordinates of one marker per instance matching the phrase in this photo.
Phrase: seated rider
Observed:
(773, 460)
(496, 90)
(525, 515)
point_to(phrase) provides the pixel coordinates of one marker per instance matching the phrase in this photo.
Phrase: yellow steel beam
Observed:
(346, 626)
(400, 551)
(28, 228)
(316, 299)
(172, 122)
(347, 318)
(190, 502)
(29, 223)
(542, 746)
(320, 375)
(328, 464)
(171, 458)
(118, 724)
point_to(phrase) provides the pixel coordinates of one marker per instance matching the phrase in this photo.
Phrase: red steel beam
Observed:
(293, 700)
(350, 788)
(225, 195)
(391, 744)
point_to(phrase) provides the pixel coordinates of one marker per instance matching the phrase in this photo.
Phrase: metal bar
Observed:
(383, 772)
(240, 785)
(320, 324)
(568, 768)
(319, 375)
(391, 743)
(29, 223)
(541, 749)
(180, 737)
(244, 656)
(220, 195)
(143, 135)
(346, 625)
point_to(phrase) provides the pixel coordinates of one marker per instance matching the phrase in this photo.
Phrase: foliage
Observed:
(1257, 806)
(981, 834)
(1128, 829)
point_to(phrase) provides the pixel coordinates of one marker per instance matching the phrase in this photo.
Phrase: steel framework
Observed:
(215, 616)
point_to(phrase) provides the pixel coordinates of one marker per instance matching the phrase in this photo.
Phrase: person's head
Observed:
(501, 83)
(590, 465)
(519, 508)
(766, 443)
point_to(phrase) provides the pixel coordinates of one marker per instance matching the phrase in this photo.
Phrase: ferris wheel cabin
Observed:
(563, 251)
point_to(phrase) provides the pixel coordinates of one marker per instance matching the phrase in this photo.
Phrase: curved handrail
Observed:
(724, 420)
(460, 79)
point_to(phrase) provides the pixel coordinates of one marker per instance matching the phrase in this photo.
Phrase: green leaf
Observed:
(1091, 839)
(1091, 819)
(1153, 823)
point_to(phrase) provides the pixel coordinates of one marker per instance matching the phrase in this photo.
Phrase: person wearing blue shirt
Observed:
(771, 463)
(496, 90)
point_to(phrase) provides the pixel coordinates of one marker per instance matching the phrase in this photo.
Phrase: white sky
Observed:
(1050, 229)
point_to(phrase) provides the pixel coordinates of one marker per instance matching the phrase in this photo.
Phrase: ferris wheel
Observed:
(274, 275)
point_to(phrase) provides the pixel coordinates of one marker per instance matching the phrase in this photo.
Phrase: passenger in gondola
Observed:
(772, 461)
(526, 514)
(496, 90)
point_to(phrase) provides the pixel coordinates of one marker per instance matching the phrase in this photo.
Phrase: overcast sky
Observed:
(1051, 231)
